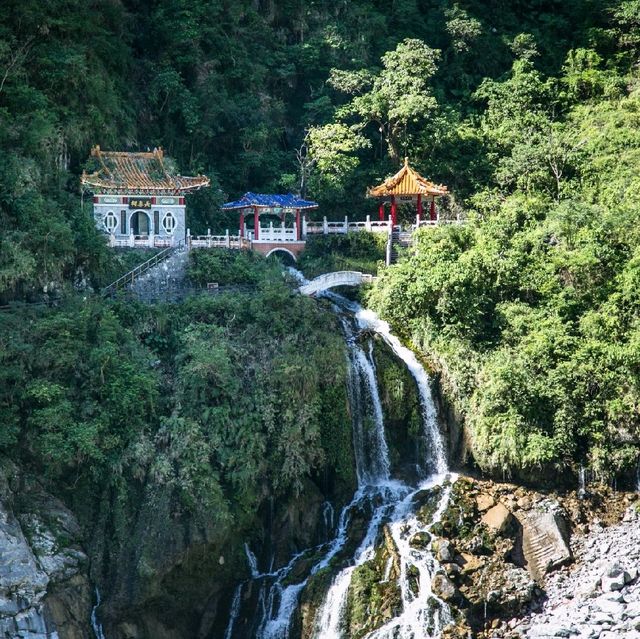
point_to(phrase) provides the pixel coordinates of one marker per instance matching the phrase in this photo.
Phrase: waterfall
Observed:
(235, 611)
(95, 624)
(370, 445)
(418, 618)
(387, 502)
(253, 562)
(433, 438)
(582, 483)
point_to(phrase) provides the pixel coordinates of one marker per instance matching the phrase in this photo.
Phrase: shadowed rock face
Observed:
(44, 587)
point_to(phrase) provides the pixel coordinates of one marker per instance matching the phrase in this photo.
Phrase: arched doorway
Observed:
(140, 224)
(284, 255)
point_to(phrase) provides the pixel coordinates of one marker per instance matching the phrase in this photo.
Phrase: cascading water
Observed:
(235, 611)
(387, 502)
(95, 624)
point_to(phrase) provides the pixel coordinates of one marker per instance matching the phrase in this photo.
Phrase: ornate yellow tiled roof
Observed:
(407, 182)
(121, 172)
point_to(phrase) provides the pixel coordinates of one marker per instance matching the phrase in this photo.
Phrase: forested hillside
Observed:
(529, 111)
(321, 97)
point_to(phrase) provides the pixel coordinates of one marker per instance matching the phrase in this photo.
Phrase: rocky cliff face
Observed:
(44, 587)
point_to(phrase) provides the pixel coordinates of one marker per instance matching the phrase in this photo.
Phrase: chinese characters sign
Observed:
(140, 203)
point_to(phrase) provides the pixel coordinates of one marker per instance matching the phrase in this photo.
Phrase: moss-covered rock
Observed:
(401, 409)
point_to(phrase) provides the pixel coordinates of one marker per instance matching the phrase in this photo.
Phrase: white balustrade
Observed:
(277, 234)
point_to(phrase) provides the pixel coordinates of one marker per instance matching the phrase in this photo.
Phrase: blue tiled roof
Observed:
(269, 200)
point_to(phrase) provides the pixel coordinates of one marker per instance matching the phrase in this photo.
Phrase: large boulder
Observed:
(484, 501)
(544, 539)
(443, 587)
(497, 518)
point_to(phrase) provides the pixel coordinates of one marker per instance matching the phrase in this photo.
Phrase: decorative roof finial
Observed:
(406, 161)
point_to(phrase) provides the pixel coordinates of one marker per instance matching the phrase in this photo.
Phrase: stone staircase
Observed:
(397, 240)
(162, 273)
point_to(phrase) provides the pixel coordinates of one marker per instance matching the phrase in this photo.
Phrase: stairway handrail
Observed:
(141, 268)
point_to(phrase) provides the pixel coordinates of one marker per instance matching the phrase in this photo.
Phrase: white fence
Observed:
(328, 228)
(143, 241)
(278, 234)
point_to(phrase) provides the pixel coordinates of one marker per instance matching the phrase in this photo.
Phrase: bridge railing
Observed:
(438, 222)
(342, 227)
(278, 234)
(337, 278)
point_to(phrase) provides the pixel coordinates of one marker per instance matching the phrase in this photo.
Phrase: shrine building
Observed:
(272, 222)
(138, 199)
(407, 186)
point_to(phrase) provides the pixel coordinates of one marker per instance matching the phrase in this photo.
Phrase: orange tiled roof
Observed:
(407, 182)
(121, 172)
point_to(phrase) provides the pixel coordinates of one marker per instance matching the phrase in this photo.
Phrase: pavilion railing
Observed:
(218, 241)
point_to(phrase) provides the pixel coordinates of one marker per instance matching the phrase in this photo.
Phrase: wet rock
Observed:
(420, 540)
(44, 588)
(443, 587)
(497, 518)
(445, 551)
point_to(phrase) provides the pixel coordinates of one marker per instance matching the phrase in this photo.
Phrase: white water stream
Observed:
(95, 624)
(390, 502)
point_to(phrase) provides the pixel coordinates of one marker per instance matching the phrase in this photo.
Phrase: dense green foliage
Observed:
(351, 252)
(320, 95)
(224, 400)
(531, 310)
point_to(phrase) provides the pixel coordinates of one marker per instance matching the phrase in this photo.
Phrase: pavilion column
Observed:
(298, 227)
(433, 208)
(381, 211)
(394, 211)
(256, 223)
(241, 222)
(419, 207)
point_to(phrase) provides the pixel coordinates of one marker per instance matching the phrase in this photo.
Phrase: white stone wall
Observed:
(164, 205)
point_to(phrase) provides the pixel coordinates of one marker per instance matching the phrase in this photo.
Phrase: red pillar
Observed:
(419, 207)
(241, 222)
(381, 211)
(433, 208)
(256, 224)
(298, 229)
(394, 211)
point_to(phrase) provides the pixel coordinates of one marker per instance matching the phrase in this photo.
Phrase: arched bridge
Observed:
(331, 280)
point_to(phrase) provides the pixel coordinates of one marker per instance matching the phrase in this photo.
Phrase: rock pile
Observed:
(599, 596)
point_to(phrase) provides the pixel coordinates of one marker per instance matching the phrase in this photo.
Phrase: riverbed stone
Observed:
(614, 578)
(484, 502)
(445, 551)
(443, 587)
(497, 518)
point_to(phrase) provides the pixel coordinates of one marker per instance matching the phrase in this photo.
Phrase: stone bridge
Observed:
(331, 280)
